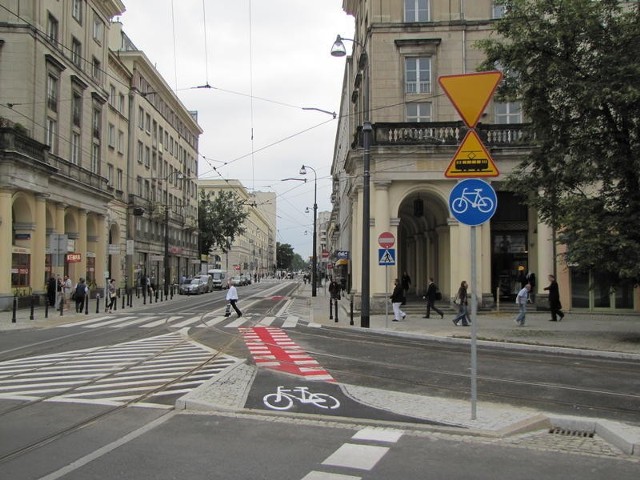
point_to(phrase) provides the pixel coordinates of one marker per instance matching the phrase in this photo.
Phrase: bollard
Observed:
(124, 299)
(330, 308)
(97, 303)
(336, 304)
(46, 308)
(61, 304)
(15, 309)
(144, 297)
(86, 304)
(156, 296)
(171, 292)
(32, 306)
(351, 310)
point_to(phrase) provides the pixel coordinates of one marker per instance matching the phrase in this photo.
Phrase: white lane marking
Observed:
(237, 322)
(108, 448)
(360, 457)
(110, 322)
(85, 322)
(133, 322)
(266, 321)
(187, 322)
(388, 435)
(328, 476)
(284, 308)
(162, 321)
(290, 322)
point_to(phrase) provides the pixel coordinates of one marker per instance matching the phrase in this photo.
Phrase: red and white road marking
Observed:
(272, 348)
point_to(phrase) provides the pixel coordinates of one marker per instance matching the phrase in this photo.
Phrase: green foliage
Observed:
(221, 219)
(285, 255)
(575, 65)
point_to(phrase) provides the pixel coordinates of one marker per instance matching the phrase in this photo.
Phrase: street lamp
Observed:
(338, 50)
(314, 258)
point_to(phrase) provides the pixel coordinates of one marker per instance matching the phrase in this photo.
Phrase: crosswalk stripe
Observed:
(110, 322)
(237, 322)
(188, 321)
(266, 321)
(162, 321)
(290, 322)
(85, 322)
(133, 322)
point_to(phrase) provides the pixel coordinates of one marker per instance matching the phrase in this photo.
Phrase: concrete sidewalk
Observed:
(584, 331)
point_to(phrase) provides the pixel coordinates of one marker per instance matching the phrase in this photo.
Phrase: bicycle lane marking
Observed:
(272, 348)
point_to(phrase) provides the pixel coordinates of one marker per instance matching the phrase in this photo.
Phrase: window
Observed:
(75, 148)
(52, 29)
(147, 156)
(110, 174)
(417, 75)
(140, 151)
(96, 70)
(119, 176)
(419, 112)
(498, 11)
(95, 158)
(120, 141)
(76, 52)
(111, 135)
(509, 112)
(76, 10)
(121, 103)
(148, 123)
(96, 123)
(52, 93)
(112, 95)
(140, 118)
(416, 11)
(76, 109)
(52, 127)
(98, 28)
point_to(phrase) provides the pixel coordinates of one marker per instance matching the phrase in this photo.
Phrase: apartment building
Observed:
(254, 252)
(74, 199)
(400, 49)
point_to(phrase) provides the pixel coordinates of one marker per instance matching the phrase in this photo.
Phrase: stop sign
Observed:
(386, 240)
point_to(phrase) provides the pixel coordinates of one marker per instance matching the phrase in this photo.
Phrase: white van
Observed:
(219, 278)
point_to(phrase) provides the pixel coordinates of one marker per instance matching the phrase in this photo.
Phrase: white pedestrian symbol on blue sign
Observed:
(386, 256)
(473, 201)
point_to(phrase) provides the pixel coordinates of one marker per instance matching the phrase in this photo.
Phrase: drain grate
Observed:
(570, 433)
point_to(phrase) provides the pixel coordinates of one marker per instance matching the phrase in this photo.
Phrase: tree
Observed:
(575, 65)
(221, 219)
(284, 255)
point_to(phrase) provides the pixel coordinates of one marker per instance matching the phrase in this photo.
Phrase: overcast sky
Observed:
(267, 60)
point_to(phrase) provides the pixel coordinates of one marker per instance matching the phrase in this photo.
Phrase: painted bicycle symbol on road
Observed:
(284, 399)
(472, 199)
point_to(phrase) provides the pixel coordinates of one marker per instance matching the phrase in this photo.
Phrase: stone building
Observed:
(400, 49)
(70, 181)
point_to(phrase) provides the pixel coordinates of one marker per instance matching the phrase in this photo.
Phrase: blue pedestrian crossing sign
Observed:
(386, 256)
(473, 201)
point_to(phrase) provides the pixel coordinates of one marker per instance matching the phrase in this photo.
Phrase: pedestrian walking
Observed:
(397, 298)
(59, 292)
(531, 280)
(113, 295)
(462, 301)
(232, 297)
(431, 296)
(521, 301)
(80, 294)
(554, 300)
(67, 289)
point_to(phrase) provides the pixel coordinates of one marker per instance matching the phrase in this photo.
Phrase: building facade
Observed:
(69, 187)
(253, 252)
(400, 49)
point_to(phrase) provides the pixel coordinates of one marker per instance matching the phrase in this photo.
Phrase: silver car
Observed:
(195, 287)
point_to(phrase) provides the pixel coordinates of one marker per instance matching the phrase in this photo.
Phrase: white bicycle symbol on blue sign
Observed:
(284, 397)
(472, 199)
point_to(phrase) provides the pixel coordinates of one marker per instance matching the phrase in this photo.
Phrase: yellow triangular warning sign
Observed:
(470, 93)
(472, 159)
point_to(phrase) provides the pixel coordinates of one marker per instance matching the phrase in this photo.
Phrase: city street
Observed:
(90, 396)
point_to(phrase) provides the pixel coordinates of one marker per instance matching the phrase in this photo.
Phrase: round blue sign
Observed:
(473, 201)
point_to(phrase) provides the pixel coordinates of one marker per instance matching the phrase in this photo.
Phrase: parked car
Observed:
(246, 279)
(237, 281)
(195, 287)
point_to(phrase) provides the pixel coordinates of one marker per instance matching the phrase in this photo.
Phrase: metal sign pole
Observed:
(386, 296)
(474, 325)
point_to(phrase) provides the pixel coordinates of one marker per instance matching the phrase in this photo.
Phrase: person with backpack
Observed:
(80, 294)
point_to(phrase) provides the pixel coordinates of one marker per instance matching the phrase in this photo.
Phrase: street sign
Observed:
(386, 256)
(471, 160)
(386, 240)
(473, 201)
(470, 93)
(342, 254)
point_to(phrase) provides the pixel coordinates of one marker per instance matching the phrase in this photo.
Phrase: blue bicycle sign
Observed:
(473, 201)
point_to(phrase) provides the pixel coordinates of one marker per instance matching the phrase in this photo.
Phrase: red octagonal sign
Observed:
(386, 240)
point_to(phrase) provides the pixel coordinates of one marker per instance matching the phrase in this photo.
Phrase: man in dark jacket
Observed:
(554, 300)
(397, 297)
(430, 295)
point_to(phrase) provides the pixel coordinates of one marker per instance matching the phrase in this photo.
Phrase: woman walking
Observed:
(113, 296)
(463, 316)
